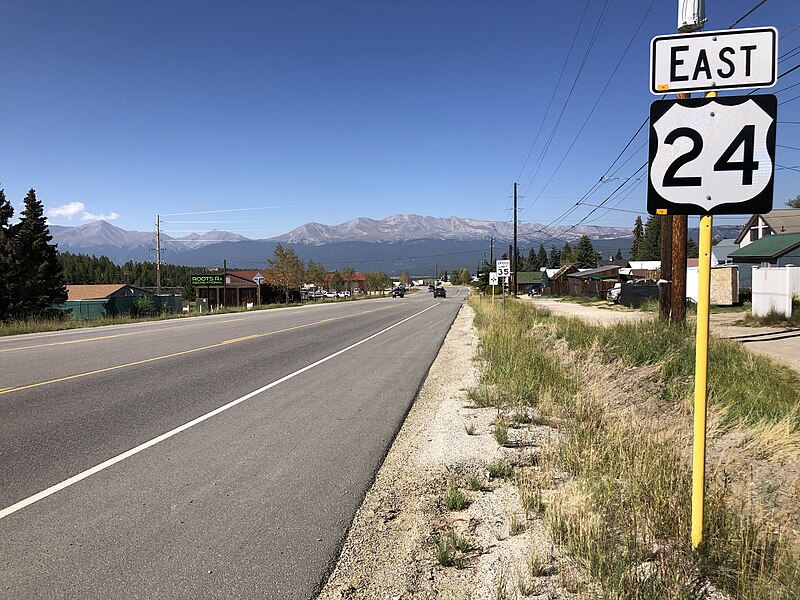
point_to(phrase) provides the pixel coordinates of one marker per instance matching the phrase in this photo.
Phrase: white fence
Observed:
(773, 289)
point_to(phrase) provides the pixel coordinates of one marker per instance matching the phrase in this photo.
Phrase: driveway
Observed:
(779, 343)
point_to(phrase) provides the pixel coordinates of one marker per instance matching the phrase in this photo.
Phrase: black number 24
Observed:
(745, 138)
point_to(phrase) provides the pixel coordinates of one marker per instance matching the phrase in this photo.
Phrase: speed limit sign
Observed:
(712, 156)
(503, 268)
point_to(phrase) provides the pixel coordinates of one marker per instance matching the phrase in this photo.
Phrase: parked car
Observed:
(344, 294)
(439, 292)
(612, 295)
(330, 294)
(399, 291)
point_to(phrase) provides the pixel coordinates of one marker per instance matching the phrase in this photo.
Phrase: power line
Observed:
(747, 14)
(555, 89)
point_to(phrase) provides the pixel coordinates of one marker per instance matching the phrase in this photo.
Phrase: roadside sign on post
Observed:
(712, 155)
(258, 279)
(493, 278)
(714, 60)
(504, 268)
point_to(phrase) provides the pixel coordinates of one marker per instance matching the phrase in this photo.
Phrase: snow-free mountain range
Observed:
(399, 242)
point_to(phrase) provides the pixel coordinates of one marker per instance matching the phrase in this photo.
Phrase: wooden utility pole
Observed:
(691, 17)
(224, 282)
(514, 265)
(665, 285)
(491, 250)
(158, 256)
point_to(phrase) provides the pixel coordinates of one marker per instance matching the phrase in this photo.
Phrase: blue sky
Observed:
(330, 110)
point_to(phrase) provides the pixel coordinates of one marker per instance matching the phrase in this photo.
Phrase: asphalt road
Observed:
(214, 457)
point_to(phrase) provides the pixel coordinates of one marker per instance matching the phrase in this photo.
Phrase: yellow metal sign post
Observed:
(700, 381)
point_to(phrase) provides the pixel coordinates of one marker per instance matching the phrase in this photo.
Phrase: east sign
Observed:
(712, 156)
(714, 60)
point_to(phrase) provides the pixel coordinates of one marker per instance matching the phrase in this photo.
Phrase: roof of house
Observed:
(564, 269)
(769, 246)
(526, 277)
(647, 265)
(92, 292)
(598, 273)
(781, 220)
(248, 274)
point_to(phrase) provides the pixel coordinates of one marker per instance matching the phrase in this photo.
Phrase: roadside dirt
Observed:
(390, 549)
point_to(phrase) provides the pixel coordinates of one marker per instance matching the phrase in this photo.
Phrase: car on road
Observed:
(439, 292)
(431, 288)
(399, 291)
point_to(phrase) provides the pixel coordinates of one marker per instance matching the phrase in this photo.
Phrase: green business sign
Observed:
(207, 280)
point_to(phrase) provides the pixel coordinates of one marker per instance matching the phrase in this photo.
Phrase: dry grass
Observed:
(614, 486)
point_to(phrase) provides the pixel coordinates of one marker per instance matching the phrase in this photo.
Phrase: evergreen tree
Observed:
(555, 258)
(7, 275)
(40, 283)
(692, 251)
(567, 254)
(584, 254)
(532, 263)
(650, 248)
(541, 256)
(618, 255)
(638, 236)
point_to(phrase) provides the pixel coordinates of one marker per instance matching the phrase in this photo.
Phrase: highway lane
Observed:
(252, 502)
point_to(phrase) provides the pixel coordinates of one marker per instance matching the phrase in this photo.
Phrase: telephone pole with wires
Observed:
(514, 265)
(158, 256)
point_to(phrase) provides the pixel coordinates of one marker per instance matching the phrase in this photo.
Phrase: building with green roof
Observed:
(776, 250)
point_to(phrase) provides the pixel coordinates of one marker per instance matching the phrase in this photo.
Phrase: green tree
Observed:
(349, 276)
(555, 258)
(638, 237)
(584, 255)
(337, 282)
(567, 254)
(315, 274)
(7, 271)
(618, 255)
(35, 259)
(794, 203)
(541, 256)
(692, 251)
(285, 269)
(650, 248)
(532, 262)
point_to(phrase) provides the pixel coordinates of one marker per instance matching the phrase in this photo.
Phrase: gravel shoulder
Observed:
(390, 552)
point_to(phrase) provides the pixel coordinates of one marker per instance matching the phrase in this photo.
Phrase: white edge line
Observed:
(164, 436)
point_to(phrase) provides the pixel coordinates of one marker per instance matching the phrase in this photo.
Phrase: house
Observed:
(529, 282)
(723, 249)
(593, 282)
(95, 301)
(782, 220)
(557, 283)
(774, 250)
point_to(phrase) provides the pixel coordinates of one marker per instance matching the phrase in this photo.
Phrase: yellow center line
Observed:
(108, 337)
(184, 352)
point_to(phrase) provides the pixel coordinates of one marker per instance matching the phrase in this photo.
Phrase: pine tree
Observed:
(7, 278)
(541, 256)
(650, 248)
(532, 263)
(584, 254)
(567, 254)
(692, 251)
(41, 282)
(555, 258)
(638, 236)
(618, 255)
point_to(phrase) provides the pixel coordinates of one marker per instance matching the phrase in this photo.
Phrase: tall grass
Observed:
(625, 511)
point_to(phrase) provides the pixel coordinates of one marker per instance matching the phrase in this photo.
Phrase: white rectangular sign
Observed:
(493, 279)
(714, 60)
(503, 268)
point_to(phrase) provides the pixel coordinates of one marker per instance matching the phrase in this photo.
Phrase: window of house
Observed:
(754, 234)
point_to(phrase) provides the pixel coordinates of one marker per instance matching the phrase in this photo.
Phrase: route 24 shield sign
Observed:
(712, 156)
